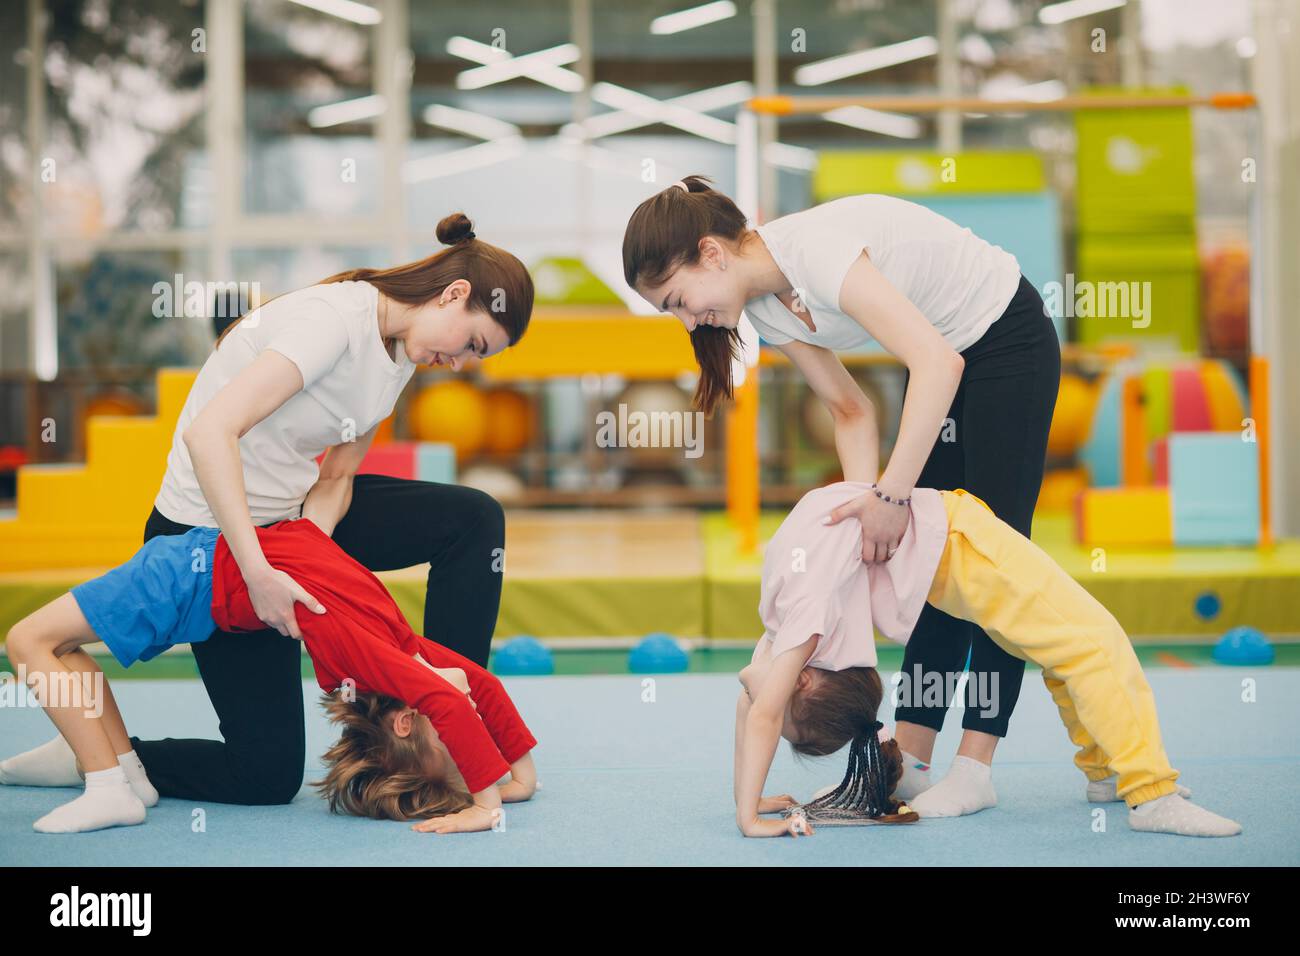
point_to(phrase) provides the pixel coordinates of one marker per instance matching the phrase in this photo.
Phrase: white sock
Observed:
(137, 778)
(108, 801)
(51, 764)
(915, 779)
(1174, 813)
(1107, 791)
(967, 788)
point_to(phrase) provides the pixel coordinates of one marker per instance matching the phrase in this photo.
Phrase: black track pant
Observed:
(1001, 415)
(254, 680)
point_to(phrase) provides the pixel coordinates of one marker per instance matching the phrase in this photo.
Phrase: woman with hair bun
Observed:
(309, 372)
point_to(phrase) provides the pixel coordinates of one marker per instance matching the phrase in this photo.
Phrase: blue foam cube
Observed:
(1214, 488)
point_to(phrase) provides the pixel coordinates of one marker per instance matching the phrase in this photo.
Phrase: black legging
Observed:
(1002, 413)
(254, 680)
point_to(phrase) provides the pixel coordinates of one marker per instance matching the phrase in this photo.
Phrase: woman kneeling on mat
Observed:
(437, 757)
(275, 428)
(812, 679)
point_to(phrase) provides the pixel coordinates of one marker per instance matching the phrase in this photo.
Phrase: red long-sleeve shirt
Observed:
(364, 636)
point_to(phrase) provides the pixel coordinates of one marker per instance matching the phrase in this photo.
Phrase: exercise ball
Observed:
(1075, 403)
(452, 412)
(657, 654)
(819, 426)
(1225, 298)
(501, 483)
(522, 656)
(1243, 646)
(658, 419)
(114, 403)
(509, 421)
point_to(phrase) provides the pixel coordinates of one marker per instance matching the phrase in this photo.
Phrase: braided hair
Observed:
(865, 787)
(839, 709)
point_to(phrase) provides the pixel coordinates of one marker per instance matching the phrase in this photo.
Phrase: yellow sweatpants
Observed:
(996, 577)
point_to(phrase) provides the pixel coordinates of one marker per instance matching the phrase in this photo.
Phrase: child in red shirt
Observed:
(426, 732)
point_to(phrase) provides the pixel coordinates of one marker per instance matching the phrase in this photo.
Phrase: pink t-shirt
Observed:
(815, 581)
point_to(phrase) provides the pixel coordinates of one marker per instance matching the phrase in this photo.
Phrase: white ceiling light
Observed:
(345, 10)
(1073, 9)
(462, 160)
(348, 111)
(543, 66)
(692, 18)
(662, 111)
(864, 61)
(701, 101)
(469, 123)
(877, 121)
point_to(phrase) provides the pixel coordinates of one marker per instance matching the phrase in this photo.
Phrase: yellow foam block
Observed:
(53, 494)
(116, 442)
(72, 516)
(173, 388)
(1118, 517)
(26, 547)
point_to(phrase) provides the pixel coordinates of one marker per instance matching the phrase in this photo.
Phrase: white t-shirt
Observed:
(350, 384)
(959, 282)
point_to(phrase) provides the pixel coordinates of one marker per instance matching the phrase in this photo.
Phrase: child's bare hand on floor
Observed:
(776, 804)
(786, 826)
(470, 820)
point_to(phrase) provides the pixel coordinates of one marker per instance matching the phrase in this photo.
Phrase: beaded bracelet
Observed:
(903, 502)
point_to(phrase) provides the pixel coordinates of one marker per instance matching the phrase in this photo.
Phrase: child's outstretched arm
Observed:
(522, 783)
(760, 730)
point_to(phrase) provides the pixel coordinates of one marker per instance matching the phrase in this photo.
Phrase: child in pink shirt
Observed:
(812, 679)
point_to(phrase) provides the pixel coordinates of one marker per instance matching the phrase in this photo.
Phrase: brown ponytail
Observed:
(664, 234)
(500, 286)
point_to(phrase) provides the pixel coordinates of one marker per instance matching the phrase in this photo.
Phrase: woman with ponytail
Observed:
(983, 368)
(309, 372)
(813, 680)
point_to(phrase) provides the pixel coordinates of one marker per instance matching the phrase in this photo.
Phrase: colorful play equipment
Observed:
(1173, 458)
(1132, 161)
(1136, 222)
(419, 460)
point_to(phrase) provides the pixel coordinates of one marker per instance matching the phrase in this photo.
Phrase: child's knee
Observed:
(25, 640)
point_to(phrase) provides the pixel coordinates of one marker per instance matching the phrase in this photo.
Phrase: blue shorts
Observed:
(161, 597)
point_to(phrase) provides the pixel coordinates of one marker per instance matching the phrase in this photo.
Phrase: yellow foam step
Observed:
(26, 545)
(1126, 517)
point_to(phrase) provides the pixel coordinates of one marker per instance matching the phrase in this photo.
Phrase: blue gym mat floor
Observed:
(625, 782)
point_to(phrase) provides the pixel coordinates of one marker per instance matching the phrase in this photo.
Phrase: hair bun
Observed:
(455, 228)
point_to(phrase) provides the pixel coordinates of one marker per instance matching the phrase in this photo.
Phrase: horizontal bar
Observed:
(788, 105)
